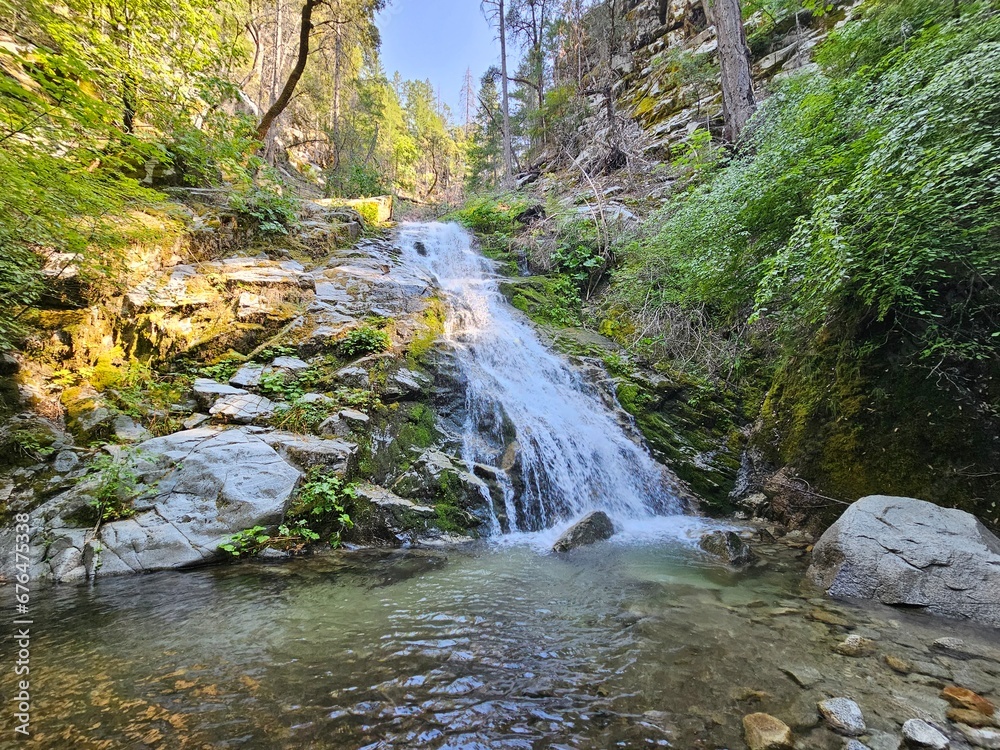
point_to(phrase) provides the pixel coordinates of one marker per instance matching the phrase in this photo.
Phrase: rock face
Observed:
(201, 486)
(729, 546)
(593, 527)
(913, 553)
(765, 732)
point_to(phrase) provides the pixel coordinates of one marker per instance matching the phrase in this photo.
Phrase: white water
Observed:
(573, 455)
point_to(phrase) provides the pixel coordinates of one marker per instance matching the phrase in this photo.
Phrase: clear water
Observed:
(483, 647)
(573, 455)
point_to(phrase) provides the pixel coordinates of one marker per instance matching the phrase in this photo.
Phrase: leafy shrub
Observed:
(364, 340)
(355, 180)
(267, 206)
(117, 488)
(489, 215)
(322, 502)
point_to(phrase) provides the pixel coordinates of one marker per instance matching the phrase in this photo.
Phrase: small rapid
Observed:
(527, 410)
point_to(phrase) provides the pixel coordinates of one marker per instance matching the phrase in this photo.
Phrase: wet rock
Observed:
(855, 645)
(931, 669)
(404, 384)
(855, 745)
(207, 392)
(897, 664)
(828, 618)
(243, 409)
(959, 649)
(843, 716)
(593, 527)
(729, 546)
(910, 552)
(248, 376)
(963, 698)
(970, 718)
(803, 676)
(388, 518)
(439, 478)
(918, 733)
(765, 732)
(985, 738)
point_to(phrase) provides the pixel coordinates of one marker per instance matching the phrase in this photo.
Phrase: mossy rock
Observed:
(544, 299)
(855, 425)
(693, 429)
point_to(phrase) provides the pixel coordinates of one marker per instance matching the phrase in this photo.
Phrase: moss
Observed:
(451, 517)
(412, 427)
(549, 300)
(692, 429)
(854, 424)
(432, 319)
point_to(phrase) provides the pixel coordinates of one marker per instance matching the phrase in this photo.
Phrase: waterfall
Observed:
(528, 411)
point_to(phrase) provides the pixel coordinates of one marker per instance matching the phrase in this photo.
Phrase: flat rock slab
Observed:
(207, 392)
(248, 376)
(913, 553)
(203, 486)
(290, 364)
(307, 451)
(243, 408)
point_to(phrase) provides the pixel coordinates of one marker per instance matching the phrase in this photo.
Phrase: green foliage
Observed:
(319, 510)
(322, 502)
(487, 214)
(222, 370)
(364, 340)
(246, 542)
(118, 486)
(267, 205)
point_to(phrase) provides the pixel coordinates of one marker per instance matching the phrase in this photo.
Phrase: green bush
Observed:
(267, 206)
(872, 196)
(492, 214)
(363, 340)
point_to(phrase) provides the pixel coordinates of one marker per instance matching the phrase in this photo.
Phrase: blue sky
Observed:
(439, 40)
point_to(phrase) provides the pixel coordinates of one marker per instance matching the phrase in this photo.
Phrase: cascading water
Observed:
(527, 410)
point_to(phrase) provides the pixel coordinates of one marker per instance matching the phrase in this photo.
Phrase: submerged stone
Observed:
(918, 733)
(729, 546)
(594, 527)
(765, 732)
(843, 716)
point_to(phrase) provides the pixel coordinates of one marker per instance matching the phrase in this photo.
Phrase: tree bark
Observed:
(293, 78)
(738, 101)
(508, 156)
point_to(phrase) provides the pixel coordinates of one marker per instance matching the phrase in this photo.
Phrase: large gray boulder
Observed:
(593, 527)
(908, 552)
(198, 487)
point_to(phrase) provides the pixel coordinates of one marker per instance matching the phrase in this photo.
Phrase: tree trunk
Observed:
(293, 78)
(738, 102)
(508, 157)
